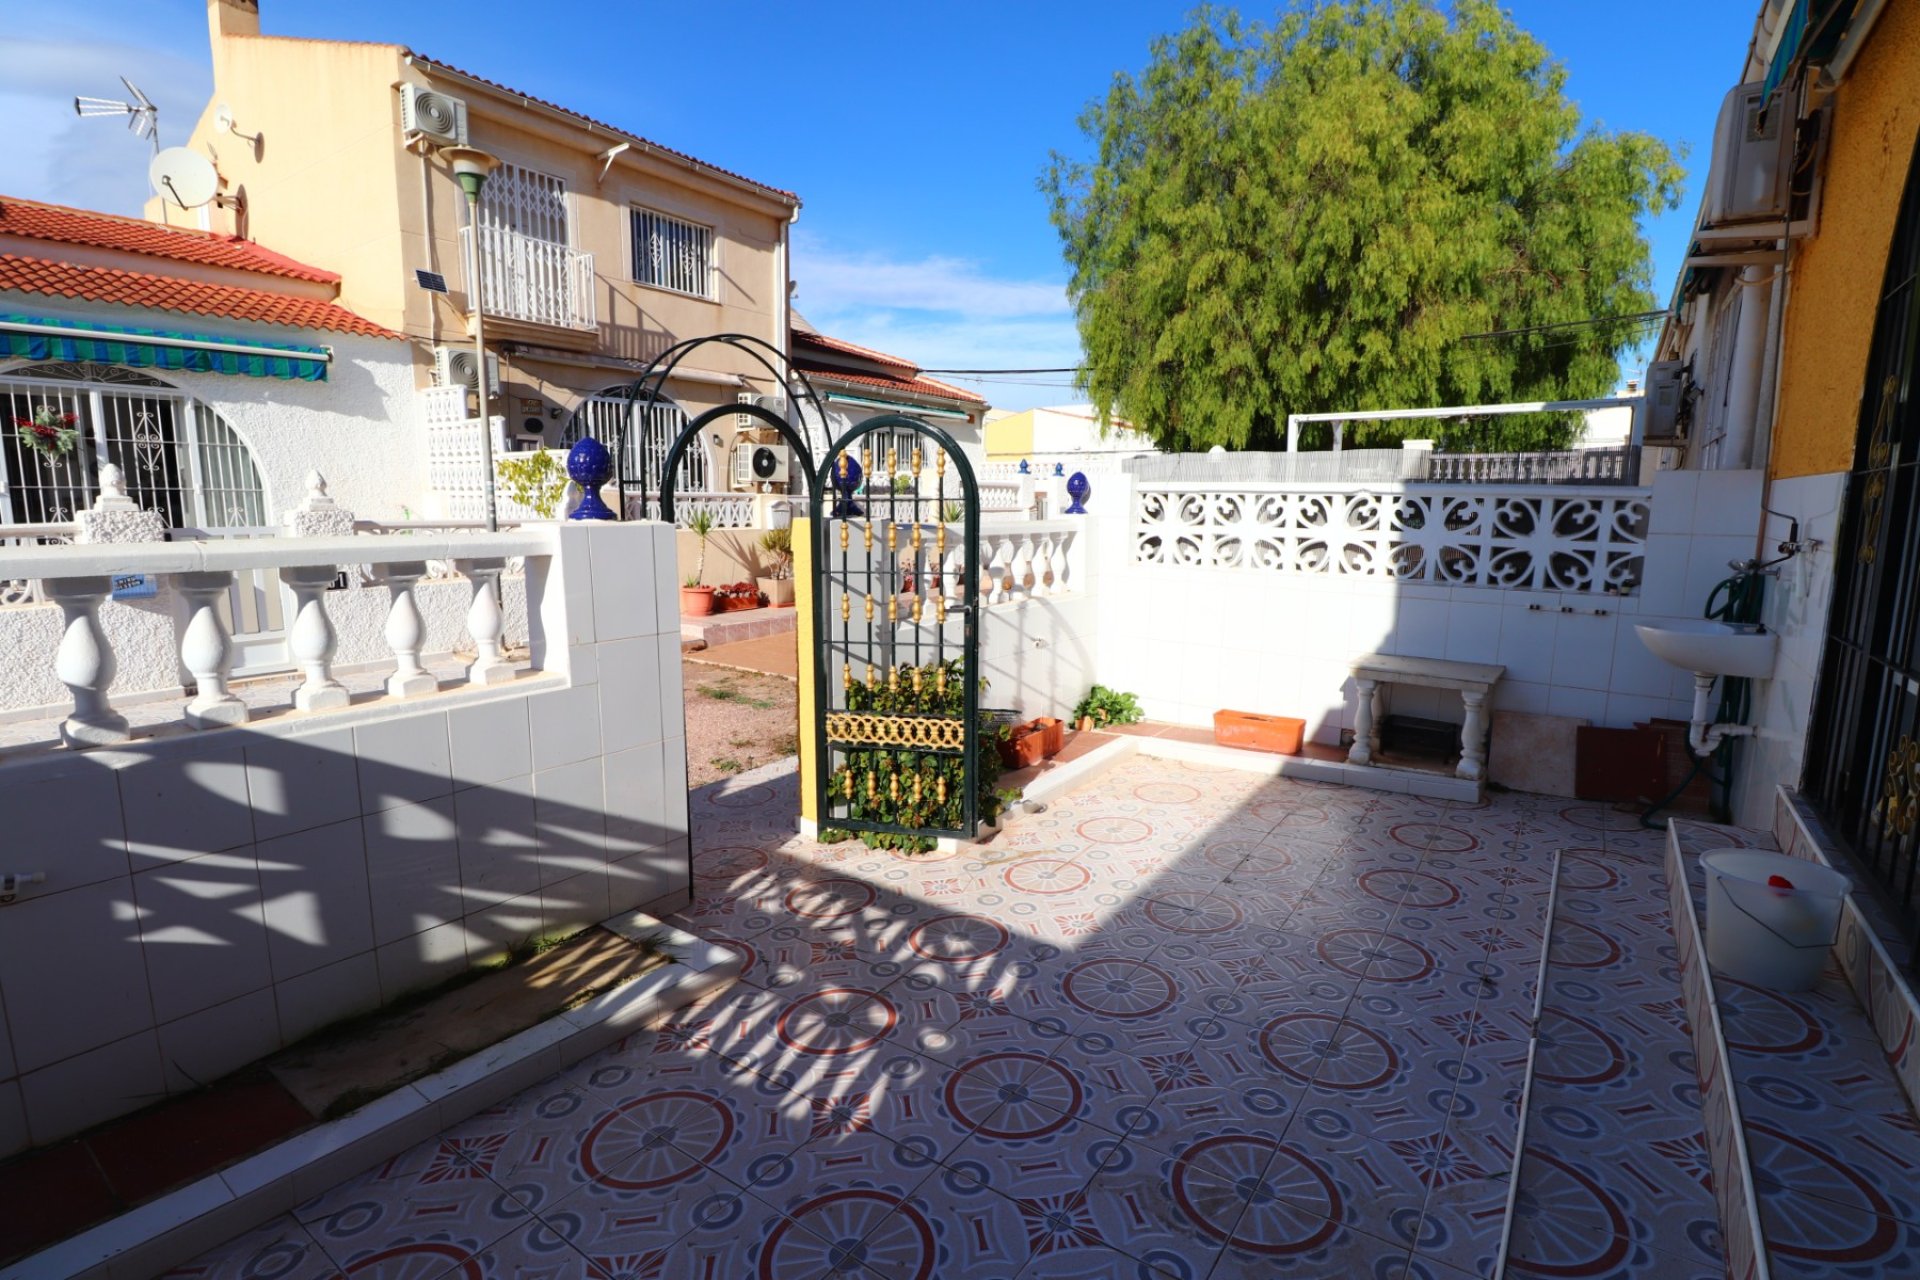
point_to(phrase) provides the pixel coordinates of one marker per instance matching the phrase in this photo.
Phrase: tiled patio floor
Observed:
(1186, 1023)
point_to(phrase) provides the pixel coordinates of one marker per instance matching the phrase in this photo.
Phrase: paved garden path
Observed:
(1185, 1023)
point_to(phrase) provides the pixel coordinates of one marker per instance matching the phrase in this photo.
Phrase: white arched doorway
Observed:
(179, 457)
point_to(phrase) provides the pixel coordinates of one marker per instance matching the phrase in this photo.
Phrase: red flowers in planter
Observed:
(738, 595)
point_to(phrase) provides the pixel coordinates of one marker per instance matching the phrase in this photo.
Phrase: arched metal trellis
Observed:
(896, 525)
(650, 389)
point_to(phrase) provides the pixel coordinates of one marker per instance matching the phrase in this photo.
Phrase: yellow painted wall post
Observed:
(808, 693)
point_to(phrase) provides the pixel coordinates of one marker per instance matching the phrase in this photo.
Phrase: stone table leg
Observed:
(1473, 736)
(1366, 726)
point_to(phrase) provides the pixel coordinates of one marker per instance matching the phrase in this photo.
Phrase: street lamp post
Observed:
(471, 167)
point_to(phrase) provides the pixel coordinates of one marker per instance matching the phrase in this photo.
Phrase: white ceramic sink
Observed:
(1711, 648)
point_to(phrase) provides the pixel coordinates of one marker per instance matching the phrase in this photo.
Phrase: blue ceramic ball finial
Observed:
(1059, 468)
(590, 465)
(1024, 468)
(1078, 489)
(846, 483)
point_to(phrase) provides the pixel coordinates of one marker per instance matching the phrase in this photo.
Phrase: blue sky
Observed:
(915, 133)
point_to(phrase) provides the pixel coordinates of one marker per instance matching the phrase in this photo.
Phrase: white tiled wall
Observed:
(1796, 610)
(1193, 641)
(211, 898)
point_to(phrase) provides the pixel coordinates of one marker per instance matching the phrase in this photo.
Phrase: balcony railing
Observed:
(537, 281)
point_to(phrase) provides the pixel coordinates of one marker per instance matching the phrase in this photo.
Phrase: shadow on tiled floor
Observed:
(1188, 1022)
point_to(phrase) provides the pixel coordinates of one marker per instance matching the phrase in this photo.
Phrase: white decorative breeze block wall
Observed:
(212, 897)
(1249, 620)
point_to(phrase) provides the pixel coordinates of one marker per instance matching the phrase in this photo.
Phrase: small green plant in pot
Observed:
(696, 601)
(777, 584)
(1103, 706)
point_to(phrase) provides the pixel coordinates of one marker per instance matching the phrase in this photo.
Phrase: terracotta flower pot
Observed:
(696, 602)
(1085, 725)
(1279, 734)
(1053, 734)
(1022, 748)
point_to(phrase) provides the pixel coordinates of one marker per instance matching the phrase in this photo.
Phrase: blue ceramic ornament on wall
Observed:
(590, 465)
(1078, 489)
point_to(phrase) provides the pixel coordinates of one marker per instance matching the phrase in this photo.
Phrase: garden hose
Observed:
(1735, 600)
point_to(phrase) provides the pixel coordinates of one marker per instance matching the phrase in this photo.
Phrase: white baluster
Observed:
(406, 631)
(485, 623)
(1022, 565)
(1043, 565)
(953, 572)
(84, 662)
(993, 573)
(207, 651)
(311, 638)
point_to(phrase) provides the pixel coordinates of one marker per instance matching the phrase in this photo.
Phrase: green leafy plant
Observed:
(778, 543)
(903, 484)
(1106, 706)
(877, 784)
(953, 513)
(701, 524)
(535, 480)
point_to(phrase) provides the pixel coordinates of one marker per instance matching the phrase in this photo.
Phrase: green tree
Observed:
(1315, 215)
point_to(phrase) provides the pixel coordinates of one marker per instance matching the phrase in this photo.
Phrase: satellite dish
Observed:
(184, 176)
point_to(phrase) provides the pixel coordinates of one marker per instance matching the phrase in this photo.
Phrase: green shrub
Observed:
(1106, 706)
(535, 480)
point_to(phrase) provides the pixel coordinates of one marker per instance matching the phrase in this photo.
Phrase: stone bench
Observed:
(1474, 681)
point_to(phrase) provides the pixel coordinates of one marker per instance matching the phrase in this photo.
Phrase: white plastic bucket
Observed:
(1771, 937)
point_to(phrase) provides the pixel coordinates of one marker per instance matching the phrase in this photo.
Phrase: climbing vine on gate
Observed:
(906, 787)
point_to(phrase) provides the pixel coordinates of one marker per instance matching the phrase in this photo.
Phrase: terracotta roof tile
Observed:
(824, 343)
(170, 293)
(921, 385)
(31, 219)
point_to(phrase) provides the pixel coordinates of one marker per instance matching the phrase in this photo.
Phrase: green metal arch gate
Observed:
(896, 529)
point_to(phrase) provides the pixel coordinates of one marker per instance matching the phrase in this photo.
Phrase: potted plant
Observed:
(1103, 706)
(697, 601)
(1023, 746)
(777, 586)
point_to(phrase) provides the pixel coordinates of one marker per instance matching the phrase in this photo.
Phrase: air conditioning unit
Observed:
(1751, 175)
(770, 464)
(455, 367)
(427, 113)
(1666, 397)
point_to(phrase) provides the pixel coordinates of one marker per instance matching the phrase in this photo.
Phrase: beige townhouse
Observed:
(598, 248)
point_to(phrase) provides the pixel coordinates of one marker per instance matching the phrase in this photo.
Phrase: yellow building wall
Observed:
(1010, 437)
(1837, 275)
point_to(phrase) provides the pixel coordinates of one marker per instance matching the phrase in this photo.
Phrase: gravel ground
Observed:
(736, 720)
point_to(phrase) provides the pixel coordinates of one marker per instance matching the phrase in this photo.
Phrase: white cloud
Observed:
(943, 312)
(831, 279)
(48, 153)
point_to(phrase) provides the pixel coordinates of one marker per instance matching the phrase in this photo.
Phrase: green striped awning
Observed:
(51, 338)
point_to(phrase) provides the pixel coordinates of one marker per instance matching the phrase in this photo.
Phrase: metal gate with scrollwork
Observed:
(1863, 754)
(896, 524)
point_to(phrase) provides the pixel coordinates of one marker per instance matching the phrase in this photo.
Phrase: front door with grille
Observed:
(896, 523)
(1863, 755)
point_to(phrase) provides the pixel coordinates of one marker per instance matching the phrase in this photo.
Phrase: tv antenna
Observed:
(142, 116)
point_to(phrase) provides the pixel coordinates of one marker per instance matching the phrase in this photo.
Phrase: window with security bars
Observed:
(525, 202)
(670, 253)
(177, 456)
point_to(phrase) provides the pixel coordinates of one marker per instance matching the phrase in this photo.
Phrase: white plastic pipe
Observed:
(1705, 736)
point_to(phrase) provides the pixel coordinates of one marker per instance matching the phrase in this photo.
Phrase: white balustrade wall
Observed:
(222, 886)
(728, 510)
